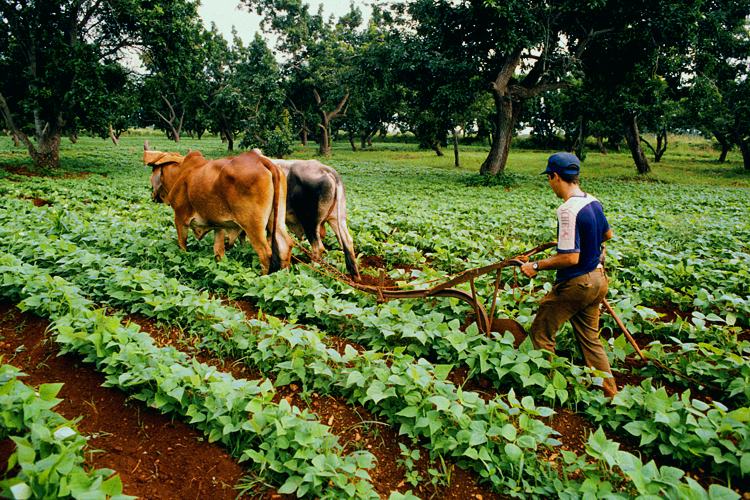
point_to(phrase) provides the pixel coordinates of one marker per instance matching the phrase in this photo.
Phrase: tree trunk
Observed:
(724, 152)
(324, 148)
(633, 136)
(304, 135)
(614, 143)
(579, 144)
(73, 138)
(501, 138)
(600, 145)
(325, 121)
(455, 149)
(16, 140)
(436, 148)
(113, 136)
(351, 142)
(661, 145)
(174, 130)
(745, 149)
(46, 154)
(725, 146)
(226, 134)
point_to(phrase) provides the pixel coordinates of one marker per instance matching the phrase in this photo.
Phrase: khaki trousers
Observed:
(576, 300)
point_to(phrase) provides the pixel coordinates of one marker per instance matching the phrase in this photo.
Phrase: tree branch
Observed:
(5, 109)
(335, 112)
(522, 92)
(647, 144)
(512, 60)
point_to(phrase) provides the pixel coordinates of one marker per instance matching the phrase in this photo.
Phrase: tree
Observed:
(176, 86)
(719, 94)
(260, 109)
(318, 56)
(56, 59)
(441, 81)
(519, 48)
(376, 90)
(636, 64)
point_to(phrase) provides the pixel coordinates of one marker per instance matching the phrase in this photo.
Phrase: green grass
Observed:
(689, 159)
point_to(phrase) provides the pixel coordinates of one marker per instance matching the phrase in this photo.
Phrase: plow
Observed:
(486, 321)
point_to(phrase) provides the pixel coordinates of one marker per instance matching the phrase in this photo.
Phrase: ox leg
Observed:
(232, 235)
(316, 244)
(182, 232)
(218, 244)
(256, 235)
(347, 245)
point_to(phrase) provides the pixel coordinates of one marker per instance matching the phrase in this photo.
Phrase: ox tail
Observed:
(347, 244)
(278, 213)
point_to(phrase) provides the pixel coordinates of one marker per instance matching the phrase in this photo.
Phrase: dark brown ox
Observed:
(245, 193)
(315, 195)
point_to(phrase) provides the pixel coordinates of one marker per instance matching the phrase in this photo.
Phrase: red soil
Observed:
(156, 457)
(356, 428)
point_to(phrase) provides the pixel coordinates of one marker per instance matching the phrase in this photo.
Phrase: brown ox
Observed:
(230, 195)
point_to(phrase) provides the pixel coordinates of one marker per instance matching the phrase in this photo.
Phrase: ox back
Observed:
(246, 193)
(315, 194)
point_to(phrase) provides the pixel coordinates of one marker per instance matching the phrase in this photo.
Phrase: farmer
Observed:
(581, 284)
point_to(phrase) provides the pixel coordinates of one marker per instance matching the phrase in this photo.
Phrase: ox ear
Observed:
(156, 179)
(158, 158)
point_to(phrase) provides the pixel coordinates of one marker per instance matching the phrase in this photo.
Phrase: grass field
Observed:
(294, 383)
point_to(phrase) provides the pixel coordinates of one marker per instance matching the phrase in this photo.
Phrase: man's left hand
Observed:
(528, 270)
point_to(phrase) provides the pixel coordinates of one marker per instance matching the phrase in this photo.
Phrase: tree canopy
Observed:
(569, 70)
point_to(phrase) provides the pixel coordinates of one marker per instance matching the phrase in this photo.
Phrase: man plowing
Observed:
(580, 285)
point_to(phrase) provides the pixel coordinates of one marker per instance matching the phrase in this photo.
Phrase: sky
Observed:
(226, 14)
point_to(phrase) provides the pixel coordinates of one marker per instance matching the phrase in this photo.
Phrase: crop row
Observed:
(499, 439)
(48, 460)
(551, 383)
(723, 369)
(295, 354)
(232, 275)
(286, 446)
(694, 255)
(299, 295)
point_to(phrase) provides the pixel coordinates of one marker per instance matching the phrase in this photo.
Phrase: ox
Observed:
(315, 194)
(245, 193)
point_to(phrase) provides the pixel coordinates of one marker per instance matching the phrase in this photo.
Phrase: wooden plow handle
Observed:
(447, 288)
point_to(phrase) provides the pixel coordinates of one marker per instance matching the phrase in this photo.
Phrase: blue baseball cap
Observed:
(563, 163)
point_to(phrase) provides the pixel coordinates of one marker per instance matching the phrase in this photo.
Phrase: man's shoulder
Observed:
(575, 204)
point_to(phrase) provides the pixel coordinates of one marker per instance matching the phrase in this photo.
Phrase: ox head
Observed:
(158, 161)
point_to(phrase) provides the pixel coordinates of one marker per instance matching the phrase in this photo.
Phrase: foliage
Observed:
(682, 428)
(288, 446)
(59, 68)
(48, 460)
(678, 245)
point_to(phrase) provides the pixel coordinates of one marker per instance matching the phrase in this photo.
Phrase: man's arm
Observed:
(557, 261)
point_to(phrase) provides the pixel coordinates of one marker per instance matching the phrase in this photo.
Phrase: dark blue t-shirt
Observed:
(581, 226)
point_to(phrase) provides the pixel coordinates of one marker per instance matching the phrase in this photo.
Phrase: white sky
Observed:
(225, 14)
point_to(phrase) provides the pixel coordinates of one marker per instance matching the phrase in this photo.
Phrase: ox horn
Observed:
(145, 145)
